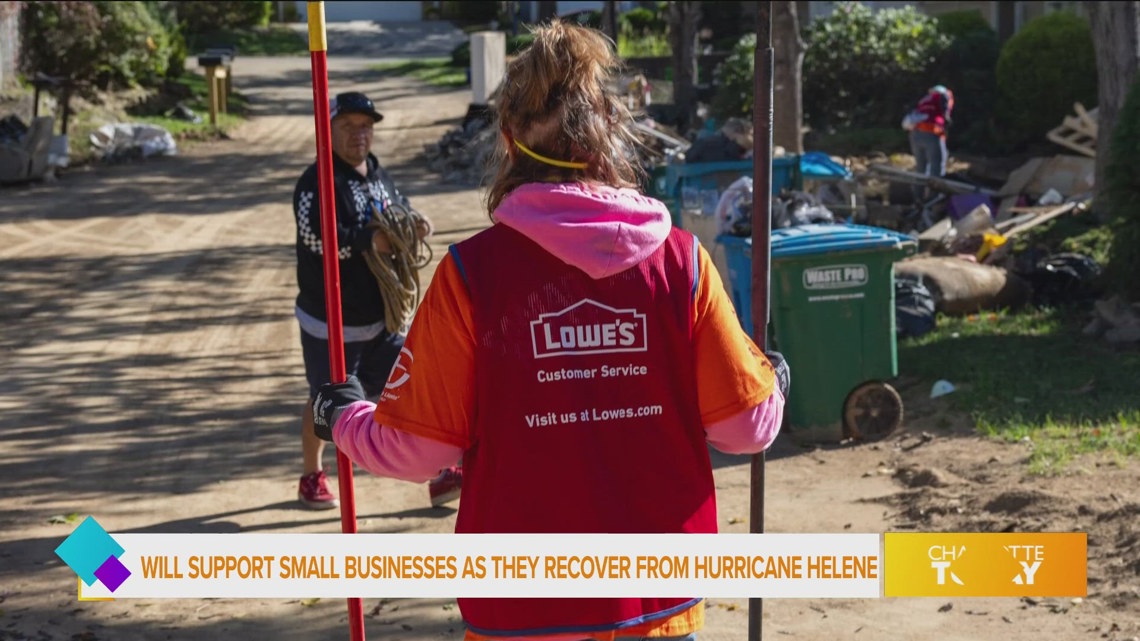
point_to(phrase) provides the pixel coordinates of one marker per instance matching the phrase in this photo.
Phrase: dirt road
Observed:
(152, 377)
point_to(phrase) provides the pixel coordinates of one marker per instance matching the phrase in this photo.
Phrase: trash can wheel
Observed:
(872, 411)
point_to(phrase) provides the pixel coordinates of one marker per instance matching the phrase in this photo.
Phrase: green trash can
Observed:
(833, 318)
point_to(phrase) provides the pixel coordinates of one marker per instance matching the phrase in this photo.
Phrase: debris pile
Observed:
(1078, 132)
(966, 227)
(461, 156)
(1115, 320)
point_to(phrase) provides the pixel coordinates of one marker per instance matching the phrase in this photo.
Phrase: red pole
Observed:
(761, 253)
(318, 51)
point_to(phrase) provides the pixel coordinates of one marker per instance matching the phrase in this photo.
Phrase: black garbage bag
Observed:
(796, 208)
(1065, 279)
(12, 130)
(914, 306)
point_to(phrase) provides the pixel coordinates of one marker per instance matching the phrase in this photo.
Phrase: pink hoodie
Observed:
(600, 230)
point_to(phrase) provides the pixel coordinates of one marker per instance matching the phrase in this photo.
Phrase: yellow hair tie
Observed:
(549, 161)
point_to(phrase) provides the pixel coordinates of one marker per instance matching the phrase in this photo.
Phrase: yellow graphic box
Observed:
(1042, 564)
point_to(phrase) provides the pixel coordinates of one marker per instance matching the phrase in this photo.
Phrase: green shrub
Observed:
(515, 44)
(137, 47)
(726, 23)
(200, 17)
(461, 54)
(166, 14)
(967, 67)
(648, 45)
(959, 23)
(61, 39)
(734, 81)
(865, 68)
(1041, 72)
(1121, 195)
(102, 43)
(641, 20)
(643, 33)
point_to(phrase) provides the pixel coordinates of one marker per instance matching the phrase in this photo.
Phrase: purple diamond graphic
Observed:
(112, 573)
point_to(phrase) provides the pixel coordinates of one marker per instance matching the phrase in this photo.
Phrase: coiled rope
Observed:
(398, 273)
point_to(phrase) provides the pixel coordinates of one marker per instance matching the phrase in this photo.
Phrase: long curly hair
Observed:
(556, 100)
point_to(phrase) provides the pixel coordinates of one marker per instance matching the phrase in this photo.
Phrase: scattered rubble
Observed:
(965, 228)
(1115, 320)
(961, 287)
(463, 155)
(1078, 133)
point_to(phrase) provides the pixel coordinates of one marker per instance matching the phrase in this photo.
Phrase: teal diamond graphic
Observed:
(88, 548)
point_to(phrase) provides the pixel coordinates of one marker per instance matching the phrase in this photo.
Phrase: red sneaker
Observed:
(446, 487)
(314, 492)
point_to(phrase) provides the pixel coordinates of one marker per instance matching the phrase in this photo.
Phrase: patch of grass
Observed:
(273, 40)
(1056, 445)
(644, 46)
(189, 88)
(1078, 234)
(437, 72)
(184, 130)
(199, 95)
(1032, 374)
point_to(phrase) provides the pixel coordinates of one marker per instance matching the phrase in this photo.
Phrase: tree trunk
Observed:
(1116, 38)
(546, 11)
(684, 19)
(609, 20)
(1006, 20)
(787, 112)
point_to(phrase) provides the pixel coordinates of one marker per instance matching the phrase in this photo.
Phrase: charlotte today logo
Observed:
(941, 556)
(1029, 557)
(92, 554)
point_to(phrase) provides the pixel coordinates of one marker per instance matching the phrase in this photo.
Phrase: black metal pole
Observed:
(761, 252)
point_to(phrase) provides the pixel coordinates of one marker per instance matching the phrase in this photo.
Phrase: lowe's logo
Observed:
(835, 276)
(588, 327)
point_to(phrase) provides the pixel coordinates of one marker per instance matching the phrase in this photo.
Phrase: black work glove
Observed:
(331, 399)
(783, 372)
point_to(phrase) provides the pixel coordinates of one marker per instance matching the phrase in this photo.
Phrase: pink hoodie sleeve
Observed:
(750, 431)
(387, 451)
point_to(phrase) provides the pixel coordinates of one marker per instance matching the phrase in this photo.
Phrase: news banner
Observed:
(848, 565)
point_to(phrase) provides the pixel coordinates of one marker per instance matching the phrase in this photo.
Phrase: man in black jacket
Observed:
(370, 348)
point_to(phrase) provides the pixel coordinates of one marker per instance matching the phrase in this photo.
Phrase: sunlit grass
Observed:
(1033, 376)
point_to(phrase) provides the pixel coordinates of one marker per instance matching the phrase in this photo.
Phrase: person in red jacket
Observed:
(579, 355)
(928, 125)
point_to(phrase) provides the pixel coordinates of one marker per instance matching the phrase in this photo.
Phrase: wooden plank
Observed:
(1054, 136)
(1078, 126)
(1015, 221)
(935, 182)
(1056, 212)
(1088, 118)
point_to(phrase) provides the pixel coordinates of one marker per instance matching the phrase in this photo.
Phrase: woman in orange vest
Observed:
(579, 355)
(928, 125)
